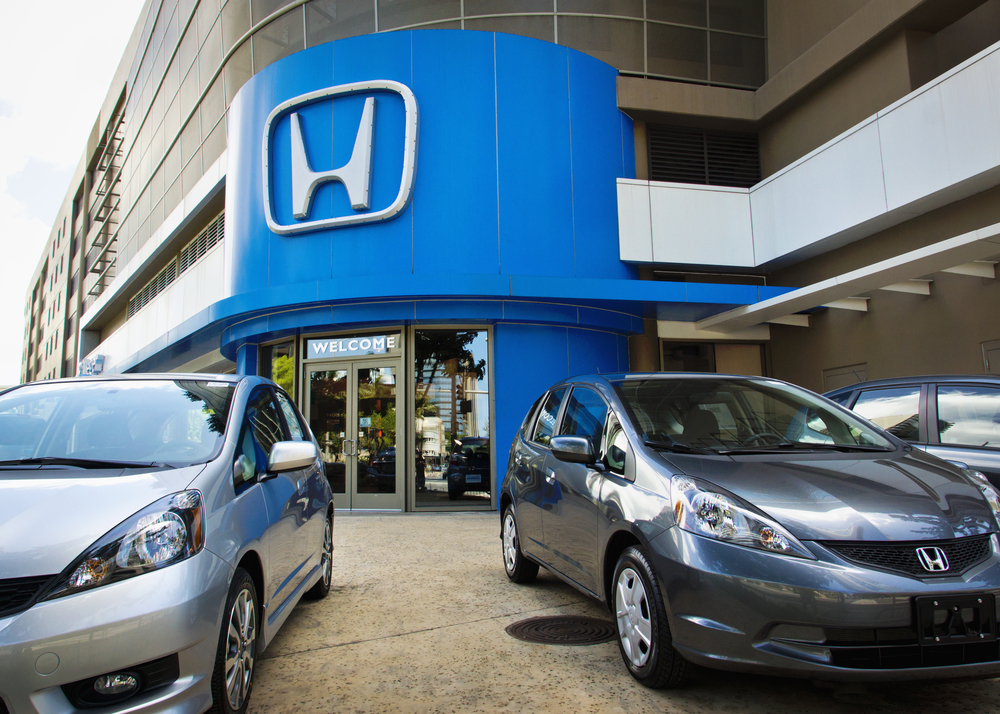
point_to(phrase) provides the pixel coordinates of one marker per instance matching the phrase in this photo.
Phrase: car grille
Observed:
(897, 648)
(18, 594)
(962, 554)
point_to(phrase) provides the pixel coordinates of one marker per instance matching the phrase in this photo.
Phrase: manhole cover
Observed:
(563, 630)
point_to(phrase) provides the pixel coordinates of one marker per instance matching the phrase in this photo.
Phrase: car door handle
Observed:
(550, 475)
(301, 485)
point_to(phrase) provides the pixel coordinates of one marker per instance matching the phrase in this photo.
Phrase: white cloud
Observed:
(59, 58)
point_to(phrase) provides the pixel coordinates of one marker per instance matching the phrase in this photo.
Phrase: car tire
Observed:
(641, 621)
(322, 586)
(232, 679)
(519, 568)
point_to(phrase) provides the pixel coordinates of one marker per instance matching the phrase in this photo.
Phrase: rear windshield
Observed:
(734, 414)
(174, 422)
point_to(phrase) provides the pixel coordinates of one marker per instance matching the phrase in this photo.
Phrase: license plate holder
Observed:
(473, 478)
(956, 619)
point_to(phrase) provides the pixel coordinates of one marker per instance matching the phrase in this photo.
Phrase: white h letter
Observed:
(356, 174)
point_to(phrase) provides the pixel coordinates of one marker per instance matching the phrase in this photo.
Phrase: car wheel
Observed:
(519, 569)
(232, 680)
(322, 587)
(641, 620)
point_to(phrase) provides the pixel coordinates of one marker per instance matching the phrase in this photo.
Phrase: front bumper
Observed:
(740, 609)
(177, 610)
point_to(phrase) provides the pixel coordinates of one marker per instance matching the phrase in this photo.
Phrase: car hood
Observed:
(48, 517)
(895, 497)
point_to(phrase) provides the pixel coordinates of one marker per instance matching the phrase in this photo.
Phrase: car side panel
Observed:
(570, 520)
(526, 486)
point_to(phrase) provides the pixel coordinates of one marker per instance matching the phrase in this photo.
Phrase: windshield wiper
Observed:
(676, 447)
(801, 446)
(85, 463)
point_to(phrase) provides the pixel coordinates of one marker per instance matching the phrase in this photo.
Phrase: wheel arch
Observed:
(617, 543)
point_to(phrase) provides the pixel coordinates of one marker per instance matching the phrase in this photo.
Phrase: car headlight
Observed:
(721, 516)
(168, 531)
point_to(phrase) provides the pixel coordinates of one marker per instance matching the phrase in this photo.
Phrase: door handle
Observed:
(301, 485)
(550, 475)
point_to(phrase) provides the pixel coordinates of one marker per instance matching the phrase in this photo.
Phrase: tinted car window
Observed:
(291, 418)
(617, 453)
(969, 415)
(586, 413)
(546, 423)
(897, 410)
(260, 431)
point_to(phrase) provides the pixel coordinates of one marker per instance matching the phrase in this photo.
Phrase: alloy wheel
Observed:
(240, 649)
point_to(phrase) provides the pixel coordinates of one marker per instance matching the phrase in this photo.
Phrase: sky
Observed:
(57, 59)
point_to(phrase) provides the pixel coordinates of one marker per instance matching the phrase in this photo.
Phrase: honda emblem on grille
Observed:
(933, 559)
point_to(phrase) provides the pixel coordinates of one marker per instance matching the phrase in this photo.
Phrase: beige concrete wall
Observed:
(738, 358)
(900, 334)
(793, 26)
(867, 87)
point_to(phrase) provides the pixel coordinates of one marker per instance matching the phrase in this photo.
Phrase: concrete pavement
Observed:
(415, 622)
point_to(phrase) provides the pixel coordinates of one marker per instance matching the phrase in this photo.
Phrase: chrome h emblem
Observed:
(933, 559)
(355, 175)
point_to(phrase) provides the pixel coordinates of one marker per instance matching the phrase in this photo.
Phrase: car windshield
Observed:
(102, 423)
(739, 415)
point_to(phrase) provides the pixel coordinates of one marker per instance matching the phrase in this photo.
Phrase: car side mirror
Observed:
(291, 456)
(574, 449)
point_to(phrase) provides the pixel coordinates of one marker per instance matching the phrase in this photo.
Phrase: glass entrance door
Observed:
(354, 411)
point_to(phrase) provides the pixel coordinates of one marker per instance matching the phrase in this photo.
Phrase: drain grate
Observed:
(563, 630)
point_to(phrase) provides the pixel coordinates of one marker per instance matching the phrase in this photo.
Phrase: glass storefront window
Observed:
(454, 454)
(277, 363)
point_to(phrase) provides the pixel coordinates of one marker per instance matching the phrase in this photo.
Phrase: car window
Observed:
(526, 424)
(969, 415)
(895, 409)
(841, 399)
(291, 418)
(616, 455)
(178, 422)
(260, 431)
(585, 415)
(546, 422)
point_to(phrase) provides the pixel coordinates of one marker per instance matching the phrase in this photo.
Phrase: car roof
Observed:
(141, 377)
(919, 379)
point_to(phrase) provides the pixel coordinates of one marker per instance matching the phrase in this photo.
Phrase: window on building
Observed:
(454, 453)
(278, 364)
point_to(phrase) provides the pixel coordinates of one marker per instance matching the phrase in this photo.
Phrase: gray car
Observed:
(956, 417)
(155, 532)
(746, 524)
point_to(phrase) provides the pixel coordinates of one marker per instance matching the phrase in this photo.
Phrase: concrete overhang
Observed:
(967, 248)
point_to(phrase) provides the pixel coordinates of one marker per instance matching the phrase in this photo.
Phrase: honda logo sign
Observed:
(355, 175)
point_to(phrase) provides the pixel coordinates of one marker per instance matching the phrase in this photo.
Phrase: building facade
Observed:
(417, 215)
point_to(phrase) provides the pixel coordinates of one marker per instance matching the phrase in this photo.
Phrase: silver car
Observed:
(746, 524)
(155, 532)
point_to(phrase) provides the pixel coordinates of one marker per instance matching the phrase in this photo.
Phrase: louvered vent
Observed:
(189, 255)
(153, 288)
(194, 250)
(715, 158)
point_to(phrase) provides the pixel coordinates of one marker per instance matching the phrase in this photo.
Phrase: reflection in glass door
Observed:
(353, 413)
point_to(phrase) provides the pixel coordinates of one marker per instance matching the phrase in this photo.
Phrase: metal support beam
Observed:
(975, 269)
(914, 287)
(858, 304)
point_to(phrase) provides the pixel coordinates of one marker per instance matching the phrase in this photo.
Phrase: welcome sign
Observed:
(352, 346)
